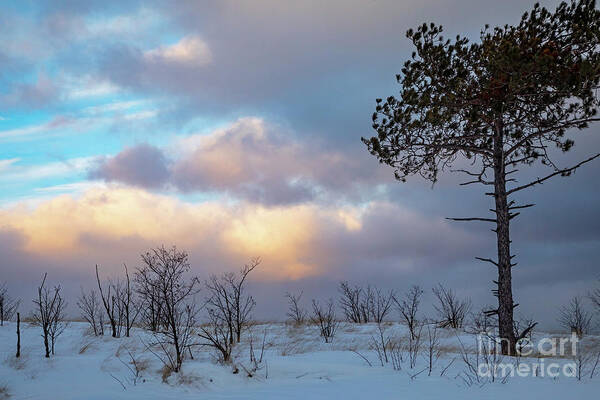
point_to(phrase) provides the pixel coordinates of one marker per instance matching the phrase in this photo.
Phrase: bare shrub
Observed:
(296, 313)
(8, 305)
(380, 343)
(217, 335)
(135, 366)
(361, 305)
(396, 355)
(575, 317)
(228, 301)
(257, 362)
(165, 270)
(408, 307)
(324, 318)
(89, 305)
(484, 358)
(412, 347)
(432, 347)
(49, 315)
(354, 307)
(451, 310)
(381, 305)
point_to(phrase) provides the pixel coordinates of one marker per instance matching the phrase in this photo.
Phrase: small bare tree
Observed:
(58, 323)
(295, 312)
(110, 301)
(324, 318)
(575, 317)
(408, 307)
(89, 305)
(165, 270)
(352, 303)
(8, 305)
(129, 308)
(49, 314)
(381, 305)
(451, 310)
(229, 302)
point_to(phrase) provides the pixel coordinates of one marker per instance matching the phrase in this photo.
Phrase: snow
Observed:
(299, 365)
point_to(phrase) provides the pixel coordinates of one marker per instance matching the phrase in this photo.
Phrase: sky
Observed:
(232, 129)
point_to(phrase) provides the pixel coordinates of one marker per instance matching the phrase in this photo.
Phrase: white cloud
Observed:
(12, 173)
(189, 50)
(5, 164)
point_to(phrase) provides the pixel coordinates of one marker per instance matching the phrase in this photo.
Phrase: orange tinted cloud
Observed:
(283, 236)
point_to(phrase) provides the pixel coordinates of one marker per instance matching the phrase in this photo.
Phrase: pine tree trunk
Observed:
(505, 299)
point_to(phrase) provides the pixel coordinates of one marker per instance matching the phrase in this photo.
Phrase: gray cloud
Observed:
(141, 165)
(250, 159)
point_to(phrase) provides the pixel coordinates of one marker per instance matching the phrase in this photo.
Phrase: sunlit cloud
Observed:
(189, 50)
(283, 236)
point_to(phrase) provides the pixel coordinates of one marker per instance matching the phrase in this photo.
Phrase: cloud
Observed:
(189, 50)
(37, 94)
(249, 159)
(295, 241)
(141, 165)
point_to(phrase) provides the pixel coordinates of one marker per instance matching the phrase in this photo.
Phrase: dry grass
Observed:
(165, 373)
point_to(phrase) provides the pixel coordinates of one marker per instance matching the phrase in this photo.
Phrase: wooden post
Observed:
(18, 335)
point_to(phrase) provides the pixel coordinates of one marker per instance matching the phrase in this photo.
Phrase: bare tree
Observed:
(295, 312)
(111, 304)
(351, 302)
(324, 318)
(381, 305)
(58, 323)
(49, 314)
(451, 310)
(228, 301)
(8, 305)
(408, 307)
(165, 270)
(89, 305)
(129, 308)
(575, 317)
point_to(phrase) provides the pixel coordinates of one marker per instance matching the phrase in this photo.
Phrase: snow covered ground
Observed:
(297, 365)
